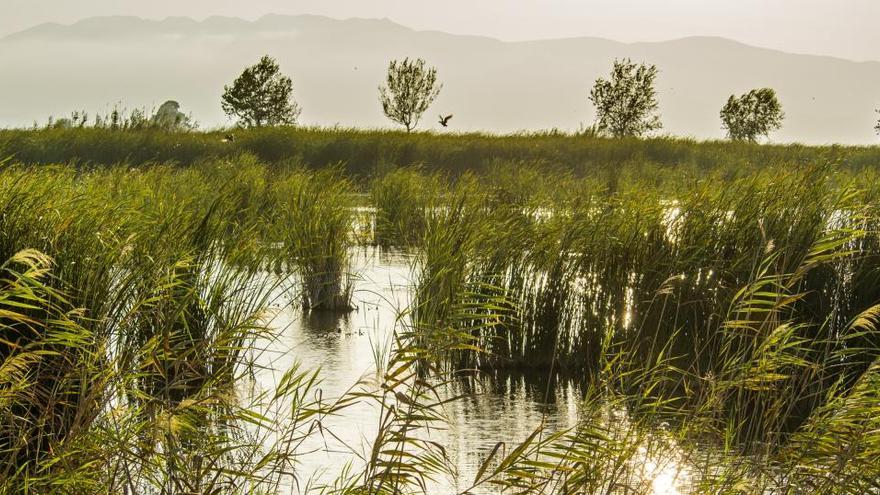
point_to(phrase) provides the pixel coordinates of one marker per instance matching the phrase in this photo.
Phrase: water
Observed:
(497, 407)
(346, 348)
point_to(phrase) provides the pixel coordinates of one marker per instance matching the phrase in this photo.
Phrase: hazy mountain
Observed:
(337, 65)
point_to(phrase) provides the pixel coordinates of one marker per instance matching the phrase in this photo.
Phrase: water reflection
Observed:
(504, 407)
(495, 406)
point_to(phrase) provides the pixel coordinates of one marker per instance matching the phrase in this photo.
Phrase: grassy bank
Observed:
(365, 153)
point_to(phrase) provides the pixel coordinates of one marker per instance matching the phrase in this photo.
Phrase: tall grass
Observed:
(125, 343)
(725, 306)
(366, 152)
(402, 198)
(315, 222)
(720, 322)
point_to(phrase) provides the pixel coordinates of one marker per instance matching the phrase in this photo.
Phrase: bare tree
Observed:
(626, 104)
(409, 90)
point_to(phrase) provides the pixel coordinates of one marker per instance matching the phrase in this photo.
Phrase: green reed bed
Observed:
(364, 152)
(315, 221)
(162, 269)
(134, 305)
(618, 257)
(139, 390)
(402, 198)
(658, 275)
(739, 312)
(723, 325)
(148, 408)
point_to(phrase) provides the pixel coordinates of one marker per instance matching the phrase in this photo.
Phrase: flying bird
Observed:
(444, 121)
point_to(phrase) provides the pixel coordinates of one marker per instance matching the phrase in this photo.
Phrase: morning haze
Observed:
(843, 28)
(489, 84)
(462, 247)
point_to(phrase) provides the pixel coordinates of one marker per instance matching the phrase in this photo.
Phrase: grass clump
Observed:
(315, 221)
(402, 198)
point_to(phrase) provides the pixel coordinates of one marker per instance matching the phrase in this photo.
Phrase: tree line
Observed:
(625, 101)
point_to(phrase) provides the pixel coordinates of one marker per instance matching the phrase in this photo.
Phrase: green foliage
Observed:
(261, 96)
(626, 104)
(403, 198)
(753, 115)
(315, 222)
(410, 88)
(364, 153)
(717, 322)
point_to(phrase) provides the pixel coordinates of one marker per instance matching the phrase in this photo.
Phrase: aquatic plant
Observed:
(721, 326)
(315, 221)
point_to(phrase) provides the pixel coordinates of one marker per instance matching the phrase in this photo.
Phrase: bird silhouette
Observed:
(444, 121)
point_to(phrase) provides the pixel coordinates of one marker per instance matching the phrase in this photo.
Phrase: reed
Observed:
(123, 349)
(315, 220)
(402, 198)
(719, 321)
(366, 152)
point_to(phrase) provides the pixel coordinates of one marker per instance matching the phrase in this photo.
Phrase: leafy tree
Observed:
(626, 105)
(261, 96)
(752, 115)
(409, 90)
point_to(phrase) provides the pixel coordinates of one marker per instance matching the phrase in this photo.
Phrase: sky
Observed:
(842, 28)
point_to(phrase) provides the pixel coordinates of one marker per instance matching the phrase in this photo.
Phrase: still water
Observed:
(346, 349)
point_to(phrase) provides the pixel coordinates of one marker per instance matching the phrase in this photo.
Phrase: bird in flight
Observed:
(444, 121)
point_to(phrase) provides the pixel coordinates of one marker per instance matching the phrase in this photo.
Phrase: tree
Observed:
(626, 105)
(752, 115)
(261, 96)
(409, 90)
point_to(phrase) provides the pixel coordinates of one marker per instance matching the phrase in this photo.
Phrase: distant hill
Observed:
(491, 85)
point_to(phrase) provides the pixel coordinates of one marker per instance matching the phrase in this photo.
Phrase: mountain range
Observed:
(488, 84)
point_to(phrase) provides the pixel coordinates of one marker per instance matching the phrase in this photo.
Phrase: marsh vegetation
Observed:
(711, 308)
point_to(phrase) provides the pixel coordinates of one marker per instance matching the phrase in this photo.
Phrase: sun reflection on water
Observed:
(665, 480)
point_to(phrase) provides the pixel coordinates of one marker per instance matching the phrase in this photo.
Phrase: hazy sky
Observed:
(845, 28)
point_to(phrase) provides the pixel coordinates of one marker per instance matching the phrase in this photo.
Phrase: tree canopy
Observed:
(410, 88)
(752, 115)
(261, 96)
(626, 103)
